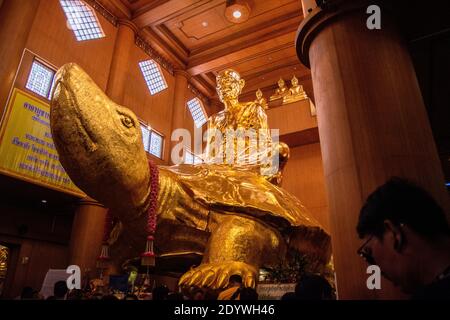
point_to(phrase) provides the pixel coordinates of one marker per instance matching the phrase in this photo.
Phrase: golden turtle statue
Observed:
(232, 216)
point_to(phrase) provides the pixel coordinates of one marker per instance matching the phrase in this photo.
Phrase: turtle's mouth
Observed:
(71, 107)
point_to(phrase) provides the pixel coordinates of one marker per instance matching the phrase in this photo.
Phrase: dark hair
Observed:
(313, 287)
(197, 290)
(60, 289)
(75, 294)
(27, 293)
(160, 293)
(248, 294)
(175, 296)
(236, 278)
(401, 201)
(289, 296)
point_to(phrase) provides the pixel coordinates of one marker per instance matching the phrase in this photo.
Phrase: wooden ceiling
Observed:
(195, 35)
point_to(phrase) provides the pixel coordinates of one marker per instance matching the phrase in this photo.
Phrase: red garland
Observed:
(148, 257)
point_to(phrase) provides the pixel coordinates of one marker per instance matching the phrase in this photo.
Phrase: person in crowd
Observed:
(211, 294)
(248, 294)
(289, 296)
(27, 293)
(175, 296)
(406, 233)
(233, 290)
(75, 294)
(313, 287)
(160, 293)
(131, 297)
(59, 291)
(37, 295)
(198, 294)
(111, 297)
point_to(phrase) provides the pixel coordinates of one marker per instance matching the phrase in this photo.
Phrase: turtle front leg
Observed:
(237, 245)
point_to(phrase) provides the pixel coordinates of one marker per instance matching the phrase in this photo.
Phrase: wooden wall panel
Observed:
(41, 256)
(303, 177)
(52, 40)
(292, 117)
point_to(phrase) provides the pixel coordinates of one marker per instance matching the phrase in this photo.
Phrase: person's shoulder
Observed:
(226, 294)
(439, 290)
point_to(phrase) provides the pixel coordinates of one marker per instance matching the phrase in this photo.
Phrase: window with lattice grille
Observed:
(153, 76)
(197, 112)
(82, 19)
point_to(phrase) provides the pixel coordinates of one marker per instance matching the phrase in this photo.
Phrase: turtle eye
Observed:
(126, 121)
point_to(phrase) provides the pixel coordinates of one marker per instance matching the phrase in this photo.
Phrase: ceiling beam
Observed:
(117, 8)
(156, 14)
(231, 56)
(203, 86)
(161, 47)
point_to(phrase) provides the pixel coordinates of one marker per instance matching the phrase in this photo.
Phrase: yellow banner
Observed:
(27, 151)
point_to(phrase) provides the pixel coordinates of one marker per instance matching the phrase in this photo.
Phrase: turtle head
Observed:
(99, 142)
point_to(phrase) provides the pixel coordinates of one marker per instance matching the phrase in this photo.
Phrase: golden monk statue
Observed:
(261, 100)
(296, 92)
(225, 218)
(281, 91)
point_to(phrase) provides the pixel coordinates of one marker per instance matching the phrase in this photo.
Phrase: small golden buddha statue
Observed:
(296, 92)
(261, 100)
(281, 91)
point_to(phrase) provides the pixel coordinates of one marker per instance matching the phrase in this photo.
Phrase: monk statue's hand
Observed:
(217, 275)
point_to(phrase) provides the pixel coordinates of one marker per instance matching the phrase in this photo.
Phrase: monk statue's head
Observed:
(294, 81)
(229, 85)
(281, 83)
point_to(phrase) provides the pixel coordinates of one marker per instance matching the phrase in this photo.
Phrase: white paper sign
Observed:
(52, 276)
(274, 291)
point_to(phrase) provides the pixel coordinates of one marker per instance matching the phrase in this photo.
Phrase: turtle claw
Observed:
(185, 278)
(249, 280)
(208, 279)
(216, 275)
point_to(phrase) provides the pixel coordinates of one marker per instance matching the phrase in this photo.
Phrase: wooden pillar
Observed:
(372, 125)
(120, 61)
(87, 235)
(16, 20)
(179, 102)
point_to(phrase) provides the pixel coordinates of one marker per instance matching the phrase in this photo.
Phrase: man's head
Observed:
(60, 289)
(235, 280)
(313, 287)
(229, 85)
(399, 223)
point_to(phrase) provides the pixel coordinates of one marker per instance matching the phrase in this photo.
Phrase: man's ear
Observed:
(396, 233)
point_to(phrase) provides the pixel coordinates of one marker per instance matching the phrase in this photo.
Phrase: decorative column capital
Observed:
(318, 19)
(129, 24)
(87, 201)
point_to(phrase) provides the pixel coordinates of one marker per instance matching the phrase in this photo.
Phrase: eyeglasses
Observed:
(365, 254)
